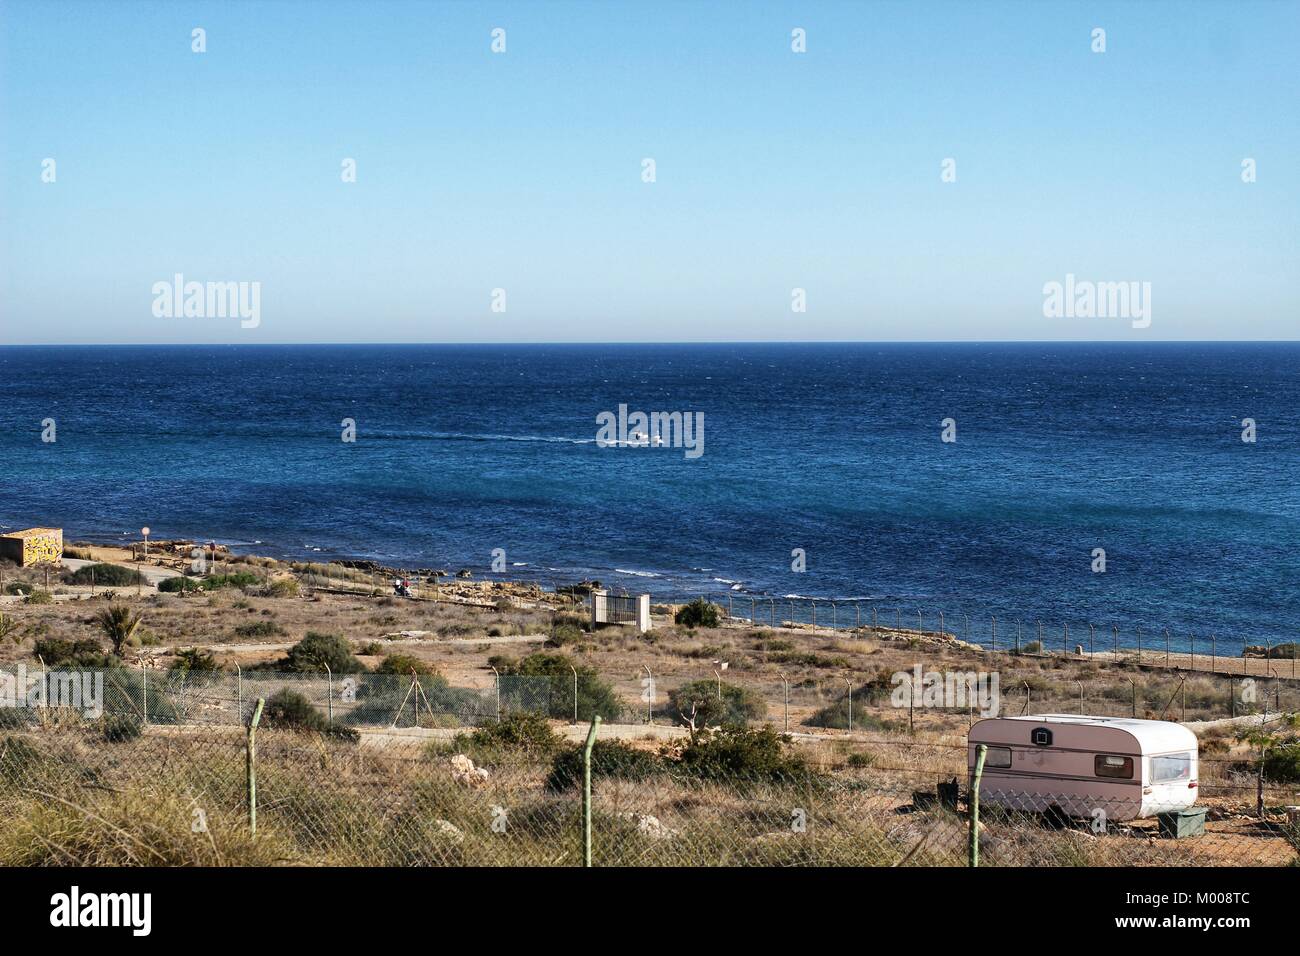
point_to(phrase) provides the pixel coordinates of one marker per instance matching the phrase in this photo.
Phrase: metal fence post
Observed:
(586, 791)
(649, 695)
(250, 756)
(145, 695)
(786, 684)
(974, 855)
(329, 692)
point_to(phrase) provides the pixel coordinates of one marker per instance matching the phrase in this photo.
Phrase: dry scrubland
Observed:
(391, 798)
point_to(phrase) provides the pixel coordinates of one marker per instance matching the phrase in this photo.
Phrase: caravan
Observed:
(1077, 765)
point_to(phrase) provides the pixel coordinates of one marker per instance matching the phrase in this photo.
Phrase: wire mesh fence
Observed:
(90, 792)
(1028, 636)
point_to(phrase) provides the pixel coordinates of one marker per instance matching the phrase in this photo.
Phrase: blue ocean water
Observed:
(834, 449)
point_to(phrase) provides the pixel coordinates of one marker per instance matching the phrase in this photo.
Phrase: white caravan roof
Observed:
(1151, 736)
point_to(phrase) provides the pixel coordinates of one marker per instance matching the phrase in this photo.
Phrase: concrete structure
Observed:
(32, 546)
(609, 608)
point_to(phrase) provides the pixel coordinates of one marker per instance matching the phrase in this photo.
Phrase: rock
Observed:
(650, 826)
(466, 774)
(448, 830)
(464, 573)
(1078, 650)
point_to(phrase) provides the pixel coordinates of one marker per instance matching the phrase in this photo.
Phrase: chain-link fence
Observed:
(113, 792)
(215, 697)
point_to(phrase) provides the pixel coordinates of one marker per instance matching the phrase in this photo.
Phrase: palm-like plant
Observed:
(118, 624)
(9, 629)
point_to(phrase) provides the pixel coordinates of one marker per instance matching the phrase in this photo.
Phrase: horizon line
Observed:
(570, 342)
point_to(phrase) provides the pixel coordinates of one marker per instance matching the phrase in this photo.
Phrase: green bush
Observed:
(259, 629)
(194, 659)
(317, 651)
(283, 587)
(85, 654)
(735, 706)
(1282, 762)
(178, 584)
(117, 728)
(563, 635)
(40, 597)
(519, 731)
(104, 575)
(289, 710)
(594, 695)
(404, 664)
(614, 759)
(739, 754)
(699, 613)
(1033, 647)
(237, 579)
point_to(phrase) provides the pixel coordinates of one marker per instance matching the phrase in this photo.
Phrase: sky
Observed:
(523, 170)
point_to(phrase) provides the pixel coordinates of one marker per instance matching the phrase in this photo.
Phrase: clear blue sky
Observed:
(523, 171)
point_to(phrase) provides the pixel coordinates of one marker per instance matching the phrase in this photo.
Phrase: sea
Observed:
(1011, 488)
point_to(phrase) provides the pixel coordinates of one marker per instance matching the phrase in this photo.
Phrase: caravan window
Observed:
(1169, 768)
(998, 757)
(1108, 765)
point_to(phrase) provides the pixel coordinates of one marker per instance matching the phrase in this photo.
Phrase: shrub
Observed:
(740, 754)
(237, 579)
(179, 584)
(736, 706)
(1282, 762)
(564, 634)
(316, 651)
(118, 622)
(1033, 647)
(85, 654)
(121, 727)
(594, 695)
(836, 716)
(40, 597)
(699, 613)
(519, 731)
(105, 575)
(283, 587)
(194, 659)
(404, 664)
(259, 629)
(609, 758)
(289, 710)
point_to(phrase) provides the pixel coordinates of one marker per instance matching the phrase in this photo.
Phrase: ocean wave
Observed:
(639, 574)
